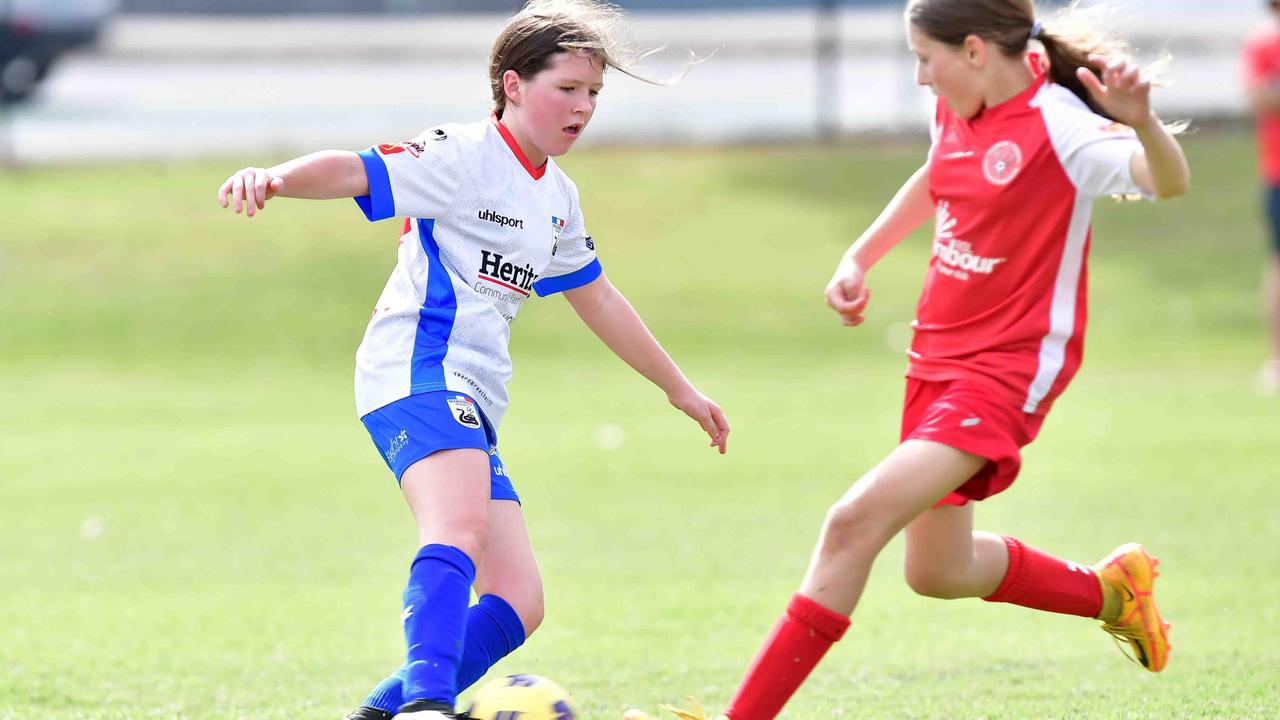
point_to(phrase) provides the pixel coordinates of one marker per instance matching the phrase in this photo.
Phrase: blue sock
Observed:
(435, 622)
(388, 696)
(494, 631)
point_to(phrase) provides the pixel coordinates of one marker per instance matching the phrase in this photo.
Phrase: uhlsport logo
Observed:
(499, 219)
(397, 444)
(1002, 162)
(464, 411)
(955, 256)
(494, 269)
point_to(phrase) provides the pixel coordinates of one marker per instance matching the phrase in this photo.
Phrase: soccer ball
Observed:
(522, 697)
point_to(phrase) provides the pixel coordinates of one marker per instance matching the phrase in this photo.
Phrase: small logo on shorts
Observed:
(464, 411)
(397, 444)
(970, 421)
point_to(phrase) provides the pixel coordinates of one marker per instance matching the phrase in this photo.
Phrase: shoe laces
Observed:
(691, 710)
(1129, 635)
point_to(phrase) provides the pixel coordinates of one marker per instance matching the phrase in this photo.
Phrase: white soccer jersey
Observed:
(484, 230)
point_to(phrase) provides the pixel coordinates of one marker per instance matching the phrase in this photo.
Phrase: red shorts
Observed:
(971, 417)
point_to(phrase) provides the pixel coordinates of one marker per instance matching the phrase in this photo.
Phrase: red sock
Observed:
(1044, 582)
(795, 645)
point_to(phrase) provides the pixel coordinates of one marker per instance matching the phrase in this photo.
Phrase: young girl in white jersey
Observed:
(1022, 145)
(490, 220)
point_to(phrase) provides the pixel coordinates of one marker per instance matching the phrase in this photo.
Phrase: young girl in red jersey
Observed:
(1022, 145)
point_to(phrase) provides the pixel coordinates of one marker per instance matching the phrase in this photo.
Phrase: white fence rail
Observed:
(244, 87)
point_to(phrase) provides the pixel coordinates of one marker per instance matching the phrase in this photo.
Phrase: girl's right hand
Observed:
(846, 293)
(250, 189)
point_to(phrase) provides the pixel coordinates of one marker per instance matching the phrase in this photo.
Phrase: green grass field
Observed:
(194, 525)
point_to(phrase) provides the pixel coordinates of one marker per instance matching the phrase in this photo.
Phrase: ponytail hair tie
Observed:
(1037, 29)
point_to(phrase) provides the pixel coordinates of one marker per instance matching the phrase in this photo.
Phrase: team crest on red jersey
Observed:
(1002, 162)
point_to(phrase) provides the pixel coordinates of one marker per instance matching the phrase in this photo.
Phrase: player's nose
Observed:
(922, 77)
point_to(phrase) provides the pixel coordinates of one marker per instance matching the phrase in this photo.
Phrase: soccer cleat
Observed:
(1132, 572)
(426, 710)
(364, 712)
(691, 711)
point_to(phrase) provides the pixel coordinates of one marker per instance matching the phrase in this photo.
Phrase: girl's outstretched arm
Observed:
(619, 327)
(1160, 168)
(911, 206)
(324, 175)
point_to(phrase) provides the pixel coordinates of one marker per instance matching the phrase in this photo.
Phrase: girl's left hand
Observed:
(1122, 91)
(706, 413)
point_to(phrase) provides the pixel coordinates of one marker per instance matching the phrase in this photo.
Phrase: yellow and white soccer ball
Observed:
(522, 697)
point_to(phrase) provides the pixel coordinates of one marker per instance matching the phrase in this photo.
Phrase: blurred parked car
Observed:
(34, 33)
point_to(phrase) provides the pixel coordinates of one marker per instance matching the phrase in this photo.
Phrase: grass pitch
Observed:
(194, 525)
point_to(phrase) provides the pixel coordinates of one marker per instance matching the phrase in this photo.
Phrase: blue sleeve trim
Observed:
(379, 204)
(577, 278)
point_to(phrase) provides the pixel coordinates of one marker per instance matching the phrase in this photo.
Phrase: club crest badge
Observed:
(464, 411)
(1002, 162)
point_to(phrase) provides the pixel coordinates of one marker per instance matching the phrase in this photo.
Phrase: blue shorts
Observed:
(412, 428)
(1273, 216)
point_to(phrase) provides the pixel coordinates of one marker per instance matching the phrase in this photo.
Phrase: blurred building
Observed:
(275, 77)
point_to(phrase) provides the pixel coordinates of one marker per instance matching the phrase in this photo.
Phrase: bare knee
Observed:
(470, 535)
(852, 528)
(934, 579)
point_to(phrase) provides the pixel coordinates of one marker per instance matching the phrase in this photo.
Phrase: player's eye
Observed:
(595, 93)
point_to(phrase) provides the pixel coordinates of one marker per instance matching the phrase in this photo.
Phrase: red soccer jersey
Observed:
(1262, 67)
(1004, 297)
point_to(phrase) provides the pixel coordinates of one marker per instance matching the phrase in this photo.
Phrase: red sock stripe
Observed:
(1015, 580)
(828, 623)
(1044, 582)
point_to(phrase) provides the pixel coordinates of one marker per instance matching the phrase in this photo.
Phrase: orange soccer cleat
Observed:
(691, 711)
(1131, 573)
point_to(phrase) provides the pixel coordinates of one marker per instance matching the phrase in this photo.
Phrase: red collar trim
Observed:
(535, 172)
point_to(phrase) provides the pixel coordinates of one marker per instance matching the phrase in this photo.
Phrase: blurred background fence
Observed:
(242, 78)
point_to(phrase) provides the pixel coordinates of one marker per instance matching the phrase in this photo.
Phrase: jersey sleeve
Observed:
(1095, 152)
(417, 178)
(573, 261)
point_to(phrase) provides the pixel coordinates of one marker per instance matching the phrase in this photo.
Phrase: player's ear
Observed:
(975, 50)
(513, 87)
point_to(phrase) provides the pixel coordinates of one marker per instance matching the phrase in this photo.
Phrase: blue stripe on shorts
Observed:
(414, 427)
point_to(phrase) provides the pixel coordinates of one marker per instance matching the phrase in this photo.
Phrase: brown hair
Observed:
(1068, 37)
(544, 28)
